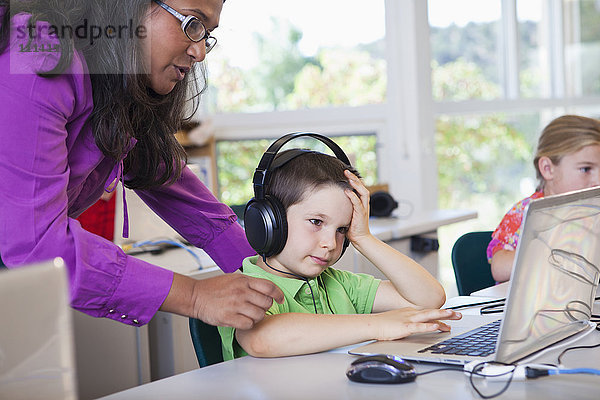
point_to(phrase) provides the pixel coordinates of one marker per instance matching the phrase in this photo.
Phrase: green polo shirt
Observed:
(348, 293)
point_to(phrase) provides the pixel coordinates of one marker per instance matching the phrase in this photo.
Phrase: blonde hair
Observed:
(565, 135)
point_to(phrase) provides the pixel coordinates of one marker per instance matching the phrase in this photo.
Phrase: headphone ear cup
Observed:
(346, 244)
(382, 204)
(266, 225)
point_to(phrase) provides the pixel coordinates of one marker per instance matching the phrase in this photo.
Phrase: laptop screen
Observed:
(555, 275)
(36, 339)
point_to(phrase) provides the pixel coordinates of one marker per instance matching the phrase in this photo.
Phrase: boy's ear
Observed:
(546, 167)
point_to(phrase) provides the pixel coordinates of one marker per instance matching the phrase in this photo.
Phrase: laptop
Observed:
(550, 297)
(36, 340)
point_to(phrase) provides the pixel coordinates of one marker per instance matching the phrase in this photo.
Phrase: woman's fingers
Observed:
(234, 300)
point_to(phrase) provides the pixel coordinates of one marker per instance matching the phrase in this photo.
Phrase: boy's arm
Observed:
(297, 333)
(409, 283)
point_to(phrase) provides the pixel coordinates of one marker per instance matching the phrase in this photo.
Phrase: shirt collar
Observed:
(289, 285)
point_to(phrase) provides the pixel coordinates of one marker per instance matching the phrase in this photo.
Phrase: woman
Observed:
(91, 94)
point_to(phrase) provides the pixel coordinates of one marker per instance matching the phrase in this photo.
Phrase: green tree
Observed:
(482, 158)
(236, 161)
(341, 77)
(589, 36)
(231, 90)
(461, 80)
(281, 61)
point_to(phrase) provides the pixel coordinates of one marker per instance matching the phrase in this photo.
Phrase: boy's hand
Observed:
(396, 324)
(359, 227)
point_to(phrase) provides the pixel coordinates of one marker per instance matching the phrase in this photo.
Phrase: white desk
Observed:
(501, 290)
(397, 232)
(497, 291)
(322, 376)
(387, 229)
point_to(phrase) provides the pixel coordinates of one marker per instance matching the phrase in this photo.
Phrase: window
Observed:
(465, 48)
(582, 47)
(535, 41)
(286, 55)
(237, 161)
(500, 72)
(491, 137)
(316, 62)
(475, 101)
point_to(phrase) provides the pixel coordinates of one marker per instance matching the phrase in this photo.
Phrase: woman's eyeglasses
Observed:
(193, 28)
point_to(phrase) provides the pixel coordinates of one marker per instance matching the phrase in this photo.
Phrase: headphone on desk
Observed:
(265, 217)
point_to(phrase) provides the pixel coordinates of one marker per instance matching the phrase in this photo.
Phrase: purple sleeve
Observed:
(37, 120)
(194, 212)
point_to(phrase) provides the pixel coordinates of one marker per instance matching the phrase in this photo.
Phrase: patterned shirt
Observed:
(506, 236)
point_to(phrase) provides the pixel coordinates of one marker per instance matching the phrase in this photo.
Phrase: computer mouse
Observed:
(381, 368)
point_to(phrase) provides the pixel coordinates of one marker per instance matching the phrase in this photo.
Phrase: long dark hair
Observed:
(124, 106)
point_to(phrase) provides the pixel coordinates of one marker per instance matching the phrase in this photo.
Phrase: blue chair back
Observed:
(469, 260)
(207, 342)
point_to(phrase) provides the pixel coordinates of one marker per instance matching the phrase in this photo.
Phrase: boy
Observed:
(324, 308)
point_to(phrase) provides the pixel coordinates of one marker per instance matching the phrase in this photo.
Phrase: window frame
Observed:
(405, 124)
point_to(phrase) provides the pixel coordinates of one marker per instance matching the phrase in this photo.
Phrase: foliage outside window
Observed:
(301, 64)
(237, 161)
(485, 158)
(490, 153)
(582, 42)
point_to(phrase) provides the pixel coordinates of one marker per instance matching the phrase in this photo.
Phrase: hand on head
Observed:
(234, 300)
(359, 227)
(396, 324)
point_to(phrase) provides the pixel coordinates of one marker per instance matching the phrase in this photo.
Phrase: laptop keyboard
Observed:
(479, 342)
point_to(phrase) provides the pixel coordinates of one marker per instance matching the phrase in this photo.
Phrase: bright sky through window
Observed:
(323, 23)
(461, 12)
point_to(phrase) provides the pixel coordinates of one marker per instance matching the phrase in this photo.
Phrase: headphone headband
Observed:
(263, 170)
(265, 217)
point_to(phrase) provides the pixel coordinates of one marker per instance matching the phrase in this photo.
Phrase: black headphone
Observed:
(265, 217)
(382, 204)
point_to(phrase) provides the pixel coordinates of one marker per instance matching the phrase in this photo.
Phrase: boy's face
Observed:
(575, 171)
(317, 228)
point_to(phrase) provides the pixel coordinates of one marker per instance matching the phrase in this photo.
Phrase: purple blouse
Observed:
(51, 170)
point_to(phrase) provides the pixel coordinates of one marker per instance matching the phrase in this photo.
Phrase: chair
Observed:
(207, 342)
(469, 260)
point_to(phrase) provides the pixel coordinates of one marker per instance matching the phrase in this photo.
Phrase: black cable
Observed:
(440, 369)
(474, 372)
(504, 388)
(305, 279)
(575, 348)
(480, 303)
(492, 309)
(326, 294)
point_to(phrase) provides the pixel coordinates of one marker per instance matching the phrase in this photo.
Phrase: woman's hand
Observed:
(359, 227)
(396, 324)
(233, 300)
